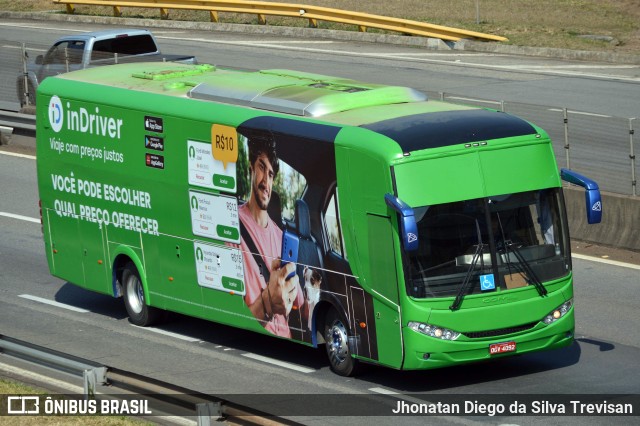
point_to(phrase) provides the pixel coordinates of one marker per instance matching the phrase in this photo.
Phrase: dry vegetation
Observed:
(541, 23)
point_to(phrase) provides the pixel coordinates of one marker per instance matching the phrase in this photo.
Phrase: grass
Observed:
(8, 388)
(537, 23)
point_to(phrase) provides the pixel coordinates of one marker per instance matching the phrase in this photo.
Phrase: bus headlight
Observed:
(433, 331)
(559, 312)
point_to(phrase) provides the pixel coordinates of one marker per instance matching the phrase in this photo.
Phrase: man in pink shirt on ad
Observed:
(269, 294)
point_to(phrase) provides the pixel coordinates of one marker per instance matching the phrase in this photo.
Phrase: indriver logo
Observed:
(56, 114)
(81, 120)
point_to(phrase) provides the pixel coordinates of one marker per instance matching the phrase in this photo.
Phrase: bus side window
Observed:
(332, 225)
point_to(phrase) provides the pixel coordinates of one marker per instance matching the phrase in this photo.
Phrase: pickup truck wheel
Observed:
(139, 312)
(337, 345)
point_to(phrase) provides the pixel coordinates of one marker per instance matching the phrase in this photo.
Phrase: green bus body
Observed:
(129, 173)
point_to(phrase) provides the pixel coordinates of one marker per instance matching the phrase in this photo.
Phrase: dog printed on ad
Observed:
(312, 281)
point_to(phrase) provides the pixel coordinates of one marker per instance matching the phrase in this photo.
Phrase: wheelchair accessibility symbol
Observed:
(487, 282)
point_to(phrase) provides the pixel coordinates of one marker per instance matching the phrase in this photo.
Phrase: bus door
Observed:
(384, 288)
(94, 257)
(65, 248)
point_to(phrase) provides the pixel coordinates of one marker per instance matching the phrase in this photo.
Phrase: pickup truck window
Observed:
(127, 45)
(65, 52)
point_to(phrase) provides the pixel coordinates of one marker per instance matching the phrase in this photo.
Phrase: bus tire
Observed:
(337, 345)
(139, 312)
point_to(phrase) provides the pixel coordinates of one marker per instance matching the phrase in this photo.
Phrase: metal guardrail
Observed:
(312, 13)
(11, 122)
(204, 407)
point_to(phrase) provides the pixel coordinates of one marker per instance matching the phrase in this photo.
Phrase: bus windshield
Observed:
(517, 239)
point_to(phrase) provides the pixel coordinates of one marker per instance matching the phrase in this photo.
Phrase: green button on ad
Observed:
(232, 284)
(228, 232)
(223, 181)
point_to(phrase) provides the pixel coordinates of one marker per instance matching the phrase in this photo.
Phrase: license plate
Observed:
(500, 348)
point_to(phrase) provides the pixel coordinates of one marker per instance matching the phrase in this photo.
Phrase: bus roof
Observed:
(284, 91)
(400, 113)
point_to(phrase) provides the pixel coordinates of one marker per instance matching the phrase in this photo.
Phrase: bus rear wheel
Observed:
(139, 312)
(337, 345)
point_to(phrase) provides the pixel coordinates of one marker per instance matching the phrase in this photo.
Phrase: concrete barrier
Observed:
(620, 226)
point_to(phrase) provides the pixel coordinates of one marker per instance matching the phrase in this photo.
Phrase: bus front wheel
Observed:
(139, 312)
(337, 345)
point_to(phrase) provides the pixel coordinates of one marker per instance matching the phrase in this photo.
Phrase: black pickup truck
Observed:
(91, 49)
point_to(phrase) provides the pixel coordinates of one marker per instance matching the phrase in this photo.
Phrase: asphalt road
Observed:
(220, 360)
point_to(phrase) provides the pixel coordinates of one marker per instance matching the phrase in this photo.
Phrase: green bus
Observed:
(392, 228)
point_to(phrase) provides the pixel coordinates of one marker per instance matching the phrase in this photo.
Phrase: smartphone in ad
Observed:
(290, 244)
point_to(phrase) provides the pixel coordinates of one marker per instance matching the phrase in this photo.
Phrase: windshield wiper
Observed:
(467, 279)
(527, 268)
(509, 245)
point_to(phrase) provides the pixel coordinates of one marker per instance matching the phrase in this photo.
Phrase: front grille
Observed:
(499, 332)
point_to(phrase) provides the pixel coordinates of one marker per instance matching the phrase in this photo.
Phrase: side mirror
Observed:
(592, 194)
(408, 226)
(39, 60)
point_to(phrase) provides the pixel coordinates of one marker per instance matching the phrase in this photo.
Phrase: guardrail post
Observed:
(70, 8)
(213, 15)
(164, 13)
(632, 156)
(362, 28)
(262, 19)
(26, 76)
(207, 411)
(117, 11)
(91, 378)
(66, 59)
(566, 136)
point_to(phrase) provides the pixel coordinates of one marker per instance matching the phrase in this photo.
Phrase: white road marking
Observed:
(20, 217)
(384, 391)
(53, 303)
(446, 53)
(15, 154)
(170, 334)
(606, 261)
(279, 363)
(294, 41)
(40, 27)
(574, 66)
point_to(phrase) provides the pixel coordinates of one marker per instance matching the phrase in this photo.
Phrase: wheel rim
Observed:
(135, 294)
(337, 343)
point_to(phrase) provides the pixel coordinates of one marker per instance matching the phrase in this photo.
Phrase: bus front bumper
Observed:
(425, 352)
